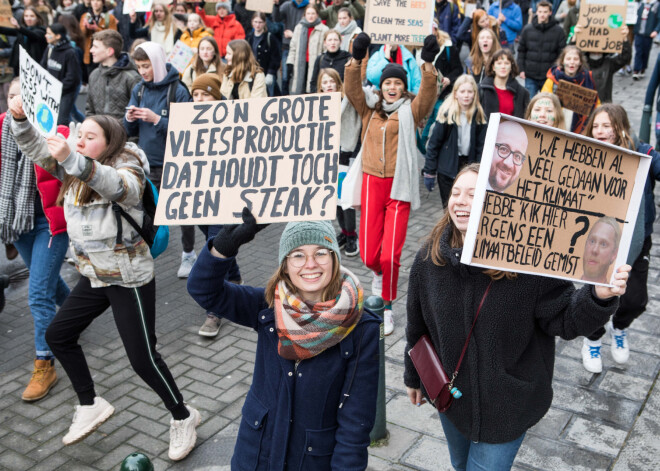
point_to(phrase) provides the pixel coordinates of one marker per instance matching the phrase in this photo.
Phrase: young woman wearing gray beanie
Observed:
(312, 403)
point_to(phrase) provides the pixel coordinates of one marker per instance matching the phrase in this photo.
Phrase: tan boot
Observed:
(43, 378)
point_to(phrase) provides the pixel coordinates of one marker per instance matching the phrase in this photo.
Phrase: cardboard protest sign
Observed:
(180, 56)
(405, 22)
(601, 21)
(576, 98)
(265, 6)
(136, 5)
(5, 14)
(553, 203)
(277, 156)
(41, 94)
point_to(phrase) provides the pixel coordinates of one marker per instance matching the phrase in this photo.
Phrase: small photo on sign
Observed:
(553, 203)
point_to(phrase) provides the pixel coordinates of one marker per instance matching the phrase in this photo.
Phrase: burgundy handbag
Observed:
(439, 387)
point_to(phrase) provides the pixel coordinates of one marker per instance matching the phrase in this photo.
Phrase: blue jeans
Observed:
(76, 114)
(643, 46)
(43, 255)
(533, 86)
(467, 455)
(285, 75)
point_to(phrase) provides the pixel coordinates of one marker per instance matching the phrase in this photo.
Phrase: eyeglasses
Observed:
(504, 151)
(321, 256)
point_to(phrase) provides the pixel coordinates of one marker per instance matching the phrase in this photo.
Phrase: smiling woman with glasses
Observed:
(312, 402)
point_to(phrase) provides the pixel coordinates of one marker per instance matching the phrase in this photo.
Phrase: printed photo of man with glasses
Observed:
(509, 156)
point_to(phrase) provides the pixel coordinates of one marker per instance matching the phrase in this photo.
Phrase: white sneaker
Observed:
(183, 435)
(620, 348)
(377, 285)
(388, 328)
(591, 359)
(87, 419)
(187, 262)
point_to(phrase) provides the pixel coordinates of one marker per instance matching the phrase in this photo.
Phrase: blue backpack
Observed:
(156, 237)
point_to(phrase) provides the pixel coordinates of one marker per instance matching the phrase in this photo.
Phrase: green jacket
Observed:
(329, 14)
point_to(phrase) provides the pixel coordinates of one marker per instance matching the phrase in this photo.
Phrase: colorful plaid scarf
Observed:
(305, 331)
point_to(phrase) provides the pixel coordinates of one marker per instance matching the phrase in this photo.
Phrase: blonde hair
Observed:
(560, 122)
(242, 61)
(450, 110)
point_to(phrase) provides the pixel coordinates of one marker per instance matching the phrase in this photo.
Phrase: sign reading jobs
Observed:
(553, 203)
(405, 22)
(277, 156)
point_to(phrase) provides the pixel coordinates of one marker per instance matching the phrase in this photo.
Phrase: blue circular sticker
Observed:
(44, 117)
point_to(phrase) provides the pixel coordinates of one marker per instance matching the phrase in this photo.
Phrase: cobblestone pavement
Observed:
(605, 421)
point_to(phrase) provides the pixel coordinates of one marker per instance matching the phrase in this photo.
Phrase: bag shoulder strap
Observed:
(119, 212)
(467, 341)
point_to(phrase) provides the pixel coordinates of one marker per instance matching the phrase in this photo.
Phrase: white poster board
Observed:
(568, 211)
(41, 94)
(277, 156)
(404, 22)
(265, 6)
(137, 6)
(180, 56)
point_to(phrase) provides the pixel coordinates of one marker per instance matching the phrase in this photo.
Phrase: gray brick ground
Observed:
(606, 421)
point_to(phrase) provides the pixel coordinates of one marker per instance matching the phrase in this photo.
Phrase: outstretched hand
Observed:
(230, 238)
(16, 107)
(620, 283)
(58, 148)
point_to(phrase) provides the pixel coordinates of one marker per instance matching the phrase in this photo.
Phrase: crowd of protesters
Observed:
(401, 105)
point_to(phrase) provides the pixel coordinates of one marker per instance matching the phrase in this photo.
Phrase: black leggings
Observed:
(134, 310)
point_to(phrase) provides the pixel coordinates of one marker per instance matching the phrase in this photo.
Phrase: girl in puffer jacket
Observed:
(115, 263)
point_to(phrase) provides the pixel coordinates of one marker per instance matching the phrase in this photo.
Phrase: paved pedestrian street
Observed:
(597, 421)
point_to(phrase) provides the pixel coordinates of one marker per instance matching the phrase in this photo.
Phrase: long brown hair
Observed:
(115, 138)
(282, 274)
(476, 57)
(334, 75)
(73, 29)
(566, 50)
(198, 63)
(242, 61)
(432, 242)
(620, 124)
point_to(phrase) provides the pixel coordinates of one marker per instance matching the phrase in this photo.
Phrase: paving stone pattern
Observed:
(605, 421)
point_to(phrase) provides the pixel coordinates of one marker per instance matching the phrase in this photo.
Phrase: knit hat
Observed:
(394, 71)
(226, 5)
(209, 83)
(301, 233)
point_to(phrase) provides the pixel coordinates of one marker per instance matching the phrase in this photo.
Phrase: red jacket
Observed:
(49, 188)
(224, 29)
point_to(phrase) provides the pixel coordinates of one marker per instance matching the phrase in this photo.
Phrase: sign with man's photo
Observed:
(553, 203)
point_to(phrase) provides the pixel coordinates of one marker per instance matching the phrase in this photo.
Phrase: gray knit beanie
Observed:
(301, 233)
(226, 5)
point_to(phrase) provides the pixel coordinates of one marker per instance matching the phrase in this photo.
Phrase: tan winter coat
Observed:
(258, 88)
(315, 49)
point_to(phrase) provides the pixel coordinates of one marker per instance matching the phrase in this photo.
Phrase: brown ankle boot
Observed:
(43, 378)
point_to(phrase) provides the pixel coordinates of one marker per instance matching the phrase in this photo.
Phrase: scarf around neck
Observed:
(582, 78)
(346, 34)
(304, 331)
(300, 87)
(18, 188)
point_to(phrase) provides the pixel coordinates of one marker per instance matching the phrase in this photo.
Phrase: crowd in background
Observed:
(433, 100)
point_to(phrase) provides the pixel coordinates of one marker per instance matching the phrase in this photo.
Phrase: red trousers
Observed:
(383, 227)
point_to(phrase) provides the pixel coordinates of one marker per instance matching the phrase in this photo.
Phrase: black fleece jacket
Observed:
(329, 60)
(506, 375)
(62, 63)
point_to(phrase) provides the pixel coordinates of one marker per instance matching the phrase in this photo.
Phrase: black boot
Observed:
(4, 282)
(351, 248)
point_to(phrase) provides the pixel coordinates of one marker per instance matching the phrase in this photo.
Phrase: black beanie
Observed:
(394, 71)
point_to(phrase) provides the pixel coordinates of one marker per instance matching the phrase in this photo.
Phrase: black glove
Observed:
(289, 72)
(231, 237)
(361, 45)
(430, 49)
(429, 181)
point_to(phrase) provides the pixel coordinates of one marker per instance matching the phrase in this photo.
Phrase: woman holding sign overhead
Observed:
(389, 160)
(312, 403)
(98, 171)
(504, 381)
(30, 35)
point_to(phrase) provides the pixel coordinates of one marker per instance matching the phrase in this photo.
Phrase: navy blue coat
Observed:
(292, 419)
(152, 137)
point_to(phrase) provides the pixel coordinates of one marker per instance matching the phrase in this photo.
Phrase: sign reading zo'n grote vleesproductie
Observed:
(277, 156)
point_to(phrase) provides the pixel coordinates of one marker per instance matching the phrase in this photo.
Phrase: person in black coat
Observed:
(61, 61)
(540, 44)
(506, 374)
(447, 62)
(267, 50)
(332, 58)
(458, 136)
(30, 33)
(499, 91)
